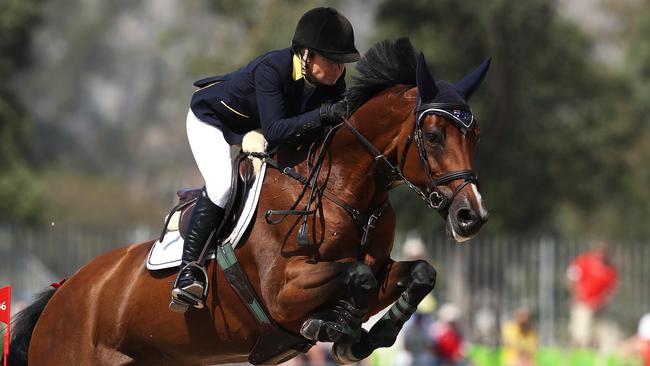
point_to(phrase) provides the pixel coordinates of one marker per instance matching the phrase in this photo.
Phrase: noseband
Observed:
(463, 120)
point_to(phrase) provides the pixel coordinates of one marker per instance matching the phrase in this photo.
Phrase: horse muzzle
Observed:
(464, 220)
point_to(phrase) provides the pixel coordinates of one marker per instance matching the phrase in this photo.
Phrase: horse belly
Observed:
(222, 332)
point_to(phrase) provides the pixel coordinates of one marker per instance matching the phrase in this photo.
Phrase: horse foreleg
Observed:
(406, 284)
(304, 287)
(343, 323)
(309, 286)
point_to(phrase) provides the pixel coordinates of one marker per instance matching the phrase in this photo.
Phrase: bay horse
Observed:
(415, 130)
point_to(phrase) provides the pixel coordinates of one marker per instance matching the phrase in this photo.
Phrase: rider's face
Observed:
(324, 71)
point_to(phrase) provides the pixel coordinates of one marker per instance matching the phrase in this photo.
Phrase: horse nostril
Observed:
(466, 217)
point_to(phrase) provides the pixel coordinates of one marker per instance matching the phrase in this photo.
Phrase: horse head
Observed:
(439, 164)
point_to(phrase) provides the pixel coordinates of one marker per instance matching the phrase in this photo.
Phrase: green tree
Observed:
(545, 159)
(19, 194)
(631, 207)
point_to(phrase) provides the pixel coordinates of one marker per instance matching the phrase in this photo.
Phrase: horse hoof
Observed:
(320, 330)
(343, 353)
(311, 329)
(328, 331)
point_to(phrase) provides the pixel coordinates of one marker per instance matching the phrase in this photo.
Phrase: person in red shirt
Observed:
(643, 337)
(448, 345)
(592, 278)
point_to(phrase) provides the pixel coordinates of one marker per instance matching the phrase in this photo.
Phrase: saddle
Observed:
(179, 216)
(244, 173)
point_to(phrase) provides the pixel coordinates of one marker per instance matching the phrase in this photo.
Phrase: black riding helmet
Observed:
(327, 32)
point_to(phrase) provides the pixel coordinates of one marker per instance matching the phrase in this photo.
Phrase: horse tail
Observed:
(23, 326)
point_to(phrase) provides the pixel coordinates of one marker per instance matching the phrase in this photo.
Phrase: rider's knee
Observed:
(218, 193)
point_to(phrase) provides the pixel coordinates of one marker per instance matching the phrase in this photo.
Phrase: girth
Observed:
(274, 344)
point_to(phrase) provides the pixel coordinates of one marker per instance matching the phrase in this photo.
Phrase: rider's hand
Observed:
(333, 113)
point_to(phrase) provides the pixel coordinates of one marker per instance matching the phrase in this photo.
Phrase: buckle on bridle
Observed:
(437, 200)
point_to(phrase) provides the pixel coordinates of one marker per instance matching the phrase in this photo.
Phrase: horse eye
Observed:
(434, 137)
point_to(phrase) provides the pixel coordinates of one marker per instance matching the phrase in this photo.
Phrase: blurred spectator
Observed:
(485, 326)
(592, 278)
(638, 347)
(519, 340)
(644, 338)
(414, 248)
(319, 355)
(416, 335)
(448, 345)
(643, 335)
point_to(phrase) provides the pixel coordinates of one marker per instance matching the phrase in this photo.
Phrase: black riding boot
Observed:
(191, 281)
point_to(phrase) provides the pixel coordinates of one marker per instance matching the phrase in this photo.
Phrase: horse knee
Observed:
(423, 277)
(361, 278)
(361, 283)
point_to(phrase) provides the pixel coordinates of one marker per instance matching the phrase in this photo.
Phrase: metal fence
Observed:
(488, 278)
(31, 259)
(492, 277)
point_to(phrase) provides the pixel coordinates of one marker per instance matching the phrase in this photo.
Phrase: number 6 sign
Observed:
(5, 316)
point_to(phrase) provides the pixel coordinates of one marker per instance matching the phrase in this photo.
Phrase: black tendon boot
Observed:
(190, 284)
(341, 325)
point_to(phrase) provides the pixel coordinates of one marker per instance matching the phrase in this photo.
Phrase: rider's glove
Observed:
(333, 113)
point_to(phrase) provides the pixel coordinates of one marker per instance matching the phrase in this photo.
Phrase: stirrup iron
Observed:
(191, 295)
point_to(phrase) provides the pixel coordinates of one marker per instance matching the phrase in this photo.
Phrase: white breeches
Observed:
(212, 155)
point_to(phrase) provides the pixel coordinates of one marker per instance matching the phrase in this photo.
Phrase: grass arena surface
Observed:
(485, 356)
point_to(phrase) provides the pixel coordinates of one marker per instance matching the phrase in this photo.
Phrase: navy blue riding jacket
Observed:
(266, 93)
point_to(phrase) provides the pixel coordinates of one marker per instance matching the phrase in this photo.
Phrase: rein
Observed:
(309, 182)
(365, 222)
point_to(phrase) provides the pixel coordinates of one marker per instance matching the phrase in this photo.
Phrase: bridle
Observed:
(436, 199)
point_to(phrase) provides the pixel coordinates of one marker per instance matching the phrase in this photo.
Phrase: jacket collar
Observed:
(296, 73)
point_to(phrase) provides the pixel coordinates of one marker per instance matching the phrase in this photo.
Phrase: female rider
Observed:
(288, 93)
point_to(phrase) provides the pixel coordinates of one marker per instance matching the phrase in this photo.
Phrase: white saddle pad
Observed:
(167, 253)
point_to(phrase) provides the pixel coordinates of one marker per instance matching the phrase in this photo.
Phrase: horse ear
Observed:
(473, 79)
(426, 85)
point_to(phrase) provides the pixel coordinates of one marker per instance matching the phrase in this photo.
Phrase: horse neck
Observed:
(381, 121)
